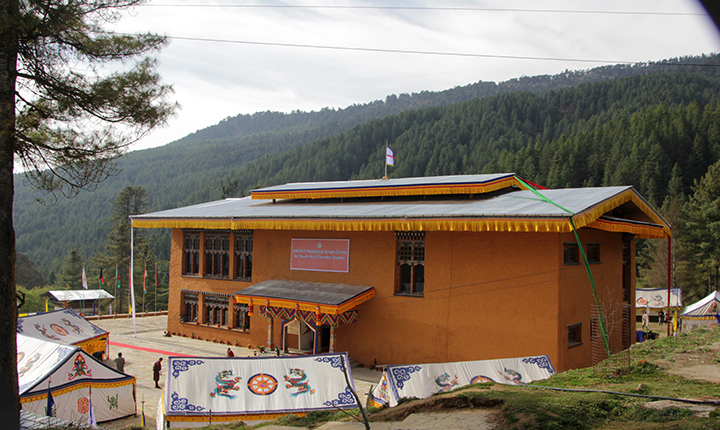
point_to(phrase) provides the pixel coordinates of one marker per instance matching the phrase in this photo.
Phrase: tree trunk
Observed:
(9, 398)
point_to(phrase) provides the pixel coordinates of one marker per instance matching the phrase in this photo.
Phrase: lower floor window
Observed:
(242, 319)
(574, 335)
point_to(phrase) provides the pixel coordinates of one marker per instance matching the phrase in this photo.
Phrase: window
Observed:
(574, 335)
(410, 263)
(571, 253)
(593, 253)
(216, 309)
(190, 302)
(191, 254)
(243, 254)
(242, 319)
(217, 255)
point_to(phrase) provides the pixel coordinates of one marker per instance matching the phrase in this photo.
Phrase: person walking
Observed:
(157, 367)
(120, 362)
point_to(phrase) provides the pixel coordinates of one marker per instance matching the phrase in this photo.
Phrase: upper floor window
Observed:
(217, 255)
(410, 277)
(571, 253)
(191, 254)
(593, 253)
(243, 254)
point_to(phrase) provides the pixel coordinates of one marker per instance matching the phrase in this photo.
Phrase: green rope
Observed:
(603, 331)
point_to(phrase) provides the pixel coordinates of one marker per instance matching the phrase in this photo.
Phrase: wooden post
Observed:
(332, 338)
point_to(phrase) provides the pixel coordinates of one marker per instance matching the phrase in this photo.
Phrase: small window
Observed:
(571, 253)
(574, 335)
(410, 263)
(191, 254)
(593, 253)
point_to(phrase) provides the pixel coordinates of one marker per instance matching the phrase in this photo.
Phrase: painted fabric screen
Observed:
(256, 385)
(657, 298)
(424, 380)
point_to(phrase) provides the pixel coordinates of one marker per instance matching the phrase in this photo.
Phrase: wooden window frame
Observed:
(217, 255)
(216, 309)
(410, 263)
(571, 254)
(242, 319)
(574, 335)
(593, 253)
(191, 254)
(243, 250)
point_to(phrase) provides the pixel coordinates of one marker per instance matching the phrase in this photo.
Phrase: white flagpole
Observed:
(132, 283)
(385, 159)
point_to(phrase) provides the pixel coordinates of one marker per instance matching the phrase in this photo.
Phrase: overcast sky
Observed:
(256, 70)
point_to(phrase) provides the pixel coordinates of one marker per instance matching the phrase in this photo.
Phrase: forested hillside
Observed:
(601, 132)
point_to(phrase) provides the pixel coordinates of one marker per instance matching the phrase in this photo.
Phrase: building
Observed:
(411, 270)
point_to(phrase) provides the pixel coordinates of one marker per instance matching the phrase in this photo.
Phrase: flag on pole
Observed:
(145, 279)
(389, 159)
(84, 278)
(142, 416)
(117, 276)
(50, 403)
(102, 278)
(157, 280)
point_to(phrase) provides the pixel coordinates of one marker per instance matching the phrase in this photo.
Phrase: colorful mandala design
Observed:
(480, 380)
(59, 330)
(262, 384)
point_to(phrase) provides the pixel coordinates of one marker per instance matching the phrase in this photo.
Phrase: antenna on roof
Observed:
(389, 159)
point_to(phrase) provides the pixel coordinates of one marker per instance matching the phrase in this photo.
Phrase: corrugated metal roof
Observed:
(78, 295)
(512, 204)
(394, 183)
(310, 292)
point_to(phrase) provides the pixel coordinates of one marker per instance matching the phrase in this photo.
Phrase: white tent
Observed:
(64, 326)
(76, 380)
(200, 390)
(702, 313)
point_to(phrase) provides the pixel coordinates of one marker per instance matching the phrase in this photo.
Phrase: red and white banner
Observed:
(320, 255)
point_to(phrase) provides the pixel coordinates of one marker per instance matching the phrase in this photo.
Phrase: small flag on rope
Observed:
(389, 159)
(84, 278)
(145, 279)
(50, 403)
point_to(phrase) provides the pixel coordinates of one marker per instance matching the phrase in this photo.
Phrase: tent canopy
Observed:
(73, 377)
(706, 308)
(64, 326)
(77, 295)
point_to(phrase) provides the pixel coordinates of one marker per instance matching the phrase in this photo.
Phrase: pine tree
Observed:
(131, 201)
(69, 121)
(70, 277)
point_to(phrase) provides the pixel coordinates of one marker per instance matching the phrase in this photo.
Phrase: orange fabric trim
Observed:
(224, 418)
(408, 190)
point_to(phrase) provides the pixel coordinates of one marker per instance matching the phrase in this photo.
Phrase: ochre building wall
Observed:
(487, 295)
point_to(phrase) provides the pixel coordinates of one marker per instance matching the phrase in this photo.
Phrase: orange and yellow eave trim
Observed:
(78, 386)
(392, 190)
(307, 306)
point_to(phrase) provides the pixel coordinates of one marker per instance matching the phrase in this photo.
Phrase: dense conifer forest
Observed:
(650, 126)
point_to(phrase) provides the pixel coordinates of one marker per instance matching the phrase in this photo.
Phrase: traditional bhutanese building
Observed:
(411, 270)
